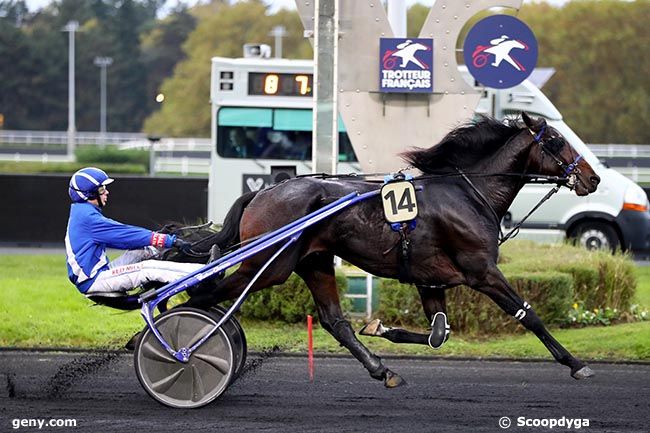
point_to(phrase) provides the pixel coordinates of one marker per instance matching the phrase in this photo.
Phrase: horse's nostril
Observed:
(595, 180)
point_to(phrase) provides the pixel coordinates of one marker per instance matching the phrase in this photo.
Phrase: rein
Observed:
(568, 179)
(362, 177)
(515, 230)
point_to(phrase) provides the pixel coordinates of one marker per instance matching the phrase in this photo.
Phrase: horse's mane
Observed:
(463, 146)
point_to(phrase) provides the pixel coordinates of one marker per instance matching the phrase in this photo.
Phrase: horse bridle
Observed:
(549, 147)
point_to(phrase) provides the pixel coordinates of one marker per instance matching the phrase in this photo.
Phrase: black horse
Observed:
(470, 179)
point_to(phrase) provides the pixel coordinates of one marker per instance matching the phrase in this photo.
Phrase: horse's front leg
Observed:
(318, 272)
(499, 290)
(435, 308)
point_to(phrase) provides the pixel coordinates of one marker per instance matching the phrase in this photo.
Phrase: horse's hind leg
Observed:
(318, 272)
(435, 308)
(497, 288)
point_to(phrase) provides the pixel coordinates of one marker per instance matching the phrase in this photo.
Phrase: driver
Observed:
(89, 233)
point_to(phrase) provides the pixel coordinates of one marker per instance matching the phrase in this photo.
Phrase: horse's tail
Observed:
(229, 234)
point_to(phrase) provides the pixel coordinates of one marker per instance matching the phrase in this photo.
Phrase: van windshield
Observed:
(271, 133)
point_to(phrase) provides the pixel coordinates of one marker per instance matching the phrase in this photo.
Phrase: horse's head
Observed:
(557, 157)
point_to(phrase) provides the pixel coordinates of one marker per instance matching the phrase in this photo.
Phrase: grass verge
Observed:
(643, 286)
(30, 167)
(40, 308)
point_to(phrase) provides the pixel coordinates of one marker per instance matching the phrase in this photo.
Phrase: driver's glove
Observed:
(183, 246)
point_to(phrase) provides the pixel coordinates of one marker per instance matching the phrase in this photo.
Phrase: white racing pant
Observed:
(135, 268)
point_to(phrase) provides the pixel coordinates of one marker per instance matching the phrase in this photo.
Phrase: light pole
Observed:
(278, 32)
(397, 17)
(325, 147)
(102, 63)
(71, 28)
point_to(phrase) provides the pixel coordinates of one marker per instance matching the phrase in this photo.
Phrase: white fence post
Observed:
(368, 296)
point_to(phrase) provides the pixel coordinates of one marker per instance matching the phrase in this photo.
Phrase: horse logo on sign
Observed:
(406, 65)
(500, 51)
(500, 48)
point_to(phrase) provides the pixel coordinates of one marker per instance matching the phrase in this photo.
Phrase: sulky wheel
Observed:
(185, 385)
(237, 338)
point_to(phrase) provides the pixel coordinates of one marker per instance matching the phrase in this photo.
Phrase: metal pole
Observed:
(368, 296)
(71, 28)
(397, 17)
(325, 130)
(278, 32)
(102, 100)
(102, 63)
(152, 154)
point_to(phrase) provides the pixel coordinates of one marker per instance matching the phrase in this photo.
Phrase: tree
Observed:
(162, 49)
(15, 68)
(127, 76)
(42, 101)
(222, 30)
(415, 17)
(36, 57)
(597, 47)
(14, 11)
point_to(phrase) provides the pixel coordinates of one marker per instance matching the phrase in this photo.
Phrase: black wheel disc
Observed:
(237, 337)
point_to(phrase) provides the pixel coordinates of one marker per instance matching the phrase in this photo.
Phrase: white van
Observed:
(615, 216)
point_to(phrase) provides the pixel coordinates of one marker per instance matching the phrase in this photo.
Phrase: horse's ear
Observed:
(527, 120)
(533, 124)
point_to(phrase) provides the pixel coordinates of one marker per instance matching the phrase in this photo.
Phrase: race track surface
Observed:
(100, 391)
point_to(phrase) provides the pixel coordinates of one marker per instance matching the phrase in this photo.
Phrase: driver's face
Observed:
(103, 195)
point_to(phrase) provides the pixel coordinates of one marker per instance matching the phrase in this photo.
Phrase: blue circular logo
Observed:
(500, 51)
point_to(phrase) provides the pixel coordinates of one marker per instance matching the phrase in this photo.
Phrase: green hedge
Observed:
(550, 294)
(24, 167)
(112, 155)
(606, 285)
(552, 278)
(600, 279)
(290, 302)
(109, 158)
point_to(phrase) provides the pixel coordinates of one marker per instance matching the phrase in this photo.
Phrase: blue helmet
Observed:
(85, 183)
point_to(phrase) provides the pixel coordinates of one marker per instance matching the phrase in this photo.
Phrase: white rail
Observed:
(183, 165)
(60, 138)
(621, 150)
(170, 144)
(46, 146)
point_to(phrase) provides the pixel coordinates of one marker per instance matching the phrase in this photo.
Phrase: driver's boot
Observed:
(215, 253)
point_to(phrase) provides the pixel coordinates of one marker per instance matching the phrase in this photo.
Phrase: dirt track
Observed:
(102, 393)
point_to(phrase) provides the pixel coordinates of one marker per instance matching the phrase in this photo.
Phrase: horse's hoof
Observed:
(439, 331)
(583, 373)
(374, 328)
(393, 380)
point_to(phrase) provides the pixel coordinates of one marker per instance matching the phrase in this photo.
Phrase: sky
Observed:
(275, 4)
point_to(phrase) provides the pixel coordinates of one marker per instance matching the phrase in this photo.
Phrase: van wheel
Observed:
(596, 236)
